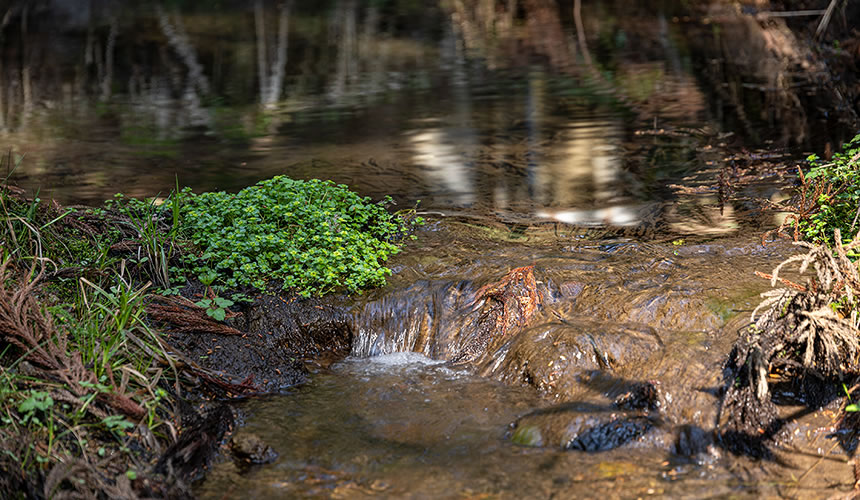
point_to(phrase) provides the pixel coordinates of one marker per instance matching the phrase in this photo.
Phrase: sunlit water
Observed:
(395, 424)
(403, 426)
(460, 106)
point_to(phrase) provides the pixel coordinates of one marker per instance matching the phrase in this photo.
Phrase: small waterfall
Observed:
(426, 318)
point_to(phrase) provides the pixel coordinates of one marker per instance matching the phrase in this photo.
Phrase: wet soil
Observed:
(276, 338)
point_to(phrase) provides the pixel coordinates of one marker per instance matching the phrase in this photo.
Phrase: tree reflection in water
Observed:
(518, 106)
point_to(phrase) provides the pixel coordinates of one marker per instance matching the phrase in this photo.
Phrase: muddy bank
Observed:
(274, 338)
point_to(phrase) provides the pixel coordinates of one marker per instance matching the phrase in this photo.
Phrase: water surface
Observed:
(404, 426)
(461, 106)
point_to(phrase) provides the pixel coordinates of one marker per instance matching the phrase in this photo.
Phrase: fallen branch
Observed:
(185, 316)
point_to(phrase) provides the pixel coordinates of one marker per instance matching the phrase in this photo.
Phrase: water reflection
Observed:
(436, 153)
(501, 105)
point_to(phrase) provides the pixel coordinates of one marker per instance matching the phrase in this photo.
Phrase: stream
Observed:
(408, 427)
(538, 415)
(627, 166)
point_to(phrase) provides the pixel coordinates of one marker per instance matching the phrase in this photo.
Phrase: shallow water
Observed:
(526, 145)
(402, 426)
(396, 423)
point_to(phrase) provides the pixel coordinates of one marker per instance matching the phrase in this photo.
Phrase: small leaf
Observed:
(222, 302)
(218, 314)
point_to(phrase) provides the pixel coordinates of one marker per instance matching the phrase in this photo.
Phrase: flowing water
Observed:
(538, 415)
(408, 427)
(609, 157)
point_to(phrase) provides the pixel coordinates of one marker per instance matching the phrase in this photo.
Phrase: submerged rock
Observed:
(557, 357)
(249, 448)
(632, 335)
(581, 427)
(611, 435)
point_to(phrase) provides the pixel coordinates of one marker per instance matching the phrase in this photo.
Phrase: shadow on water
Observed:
(618, 399)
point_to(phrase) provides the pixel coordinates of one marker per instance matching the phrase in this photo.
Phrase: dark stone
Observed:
(249, 448)
(191, 454)
(581, 426)
(611, 435)
(643, 396)
(692, 441)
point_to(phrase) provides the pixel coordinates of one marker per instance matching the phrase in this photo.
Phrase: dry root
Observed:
(186, 317)
(801, 330)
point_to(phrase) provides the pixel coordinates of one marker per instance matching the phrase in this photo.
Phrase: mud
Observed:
(278, 338)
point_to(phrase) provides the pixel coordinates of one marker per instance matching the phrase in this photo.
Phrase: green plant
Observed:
(836, 200)
(100, 325)
(851, 407)
(117, 424)
(37, 403)
(216, 307)
(313, 237)
(19, 231)
(156, 237)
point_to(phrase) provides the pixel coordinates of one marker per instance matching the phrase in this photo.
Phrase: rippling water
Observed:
(402, 426)
(459, 105)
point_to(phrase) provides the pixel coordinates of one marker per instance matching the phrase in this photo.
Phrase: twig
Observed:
(784, 281)
(791, 13)
(580, 31)
(825, 19)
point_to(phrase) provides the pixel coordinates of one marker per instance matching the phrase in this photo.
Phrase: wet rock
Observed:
(450, 320)
(191, 454)
(504, 306)
(249, 448)
(557, 357)
(528, 434)
(585, 360)
(643, 396)
(695, 443)
(666, 306)
(582, 427)
(611, 435)
(423, 317)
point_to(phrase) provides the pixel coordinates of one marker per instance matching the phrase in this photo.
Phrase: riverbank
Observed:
(596, 205)
(127, 330)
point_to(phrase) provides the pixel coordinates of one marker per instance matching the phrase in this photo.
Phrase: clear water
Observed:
(493, 112)
(402, 426)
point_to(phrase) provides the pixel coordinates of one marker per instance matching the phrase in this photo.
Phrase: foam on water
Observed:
(403, 359)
